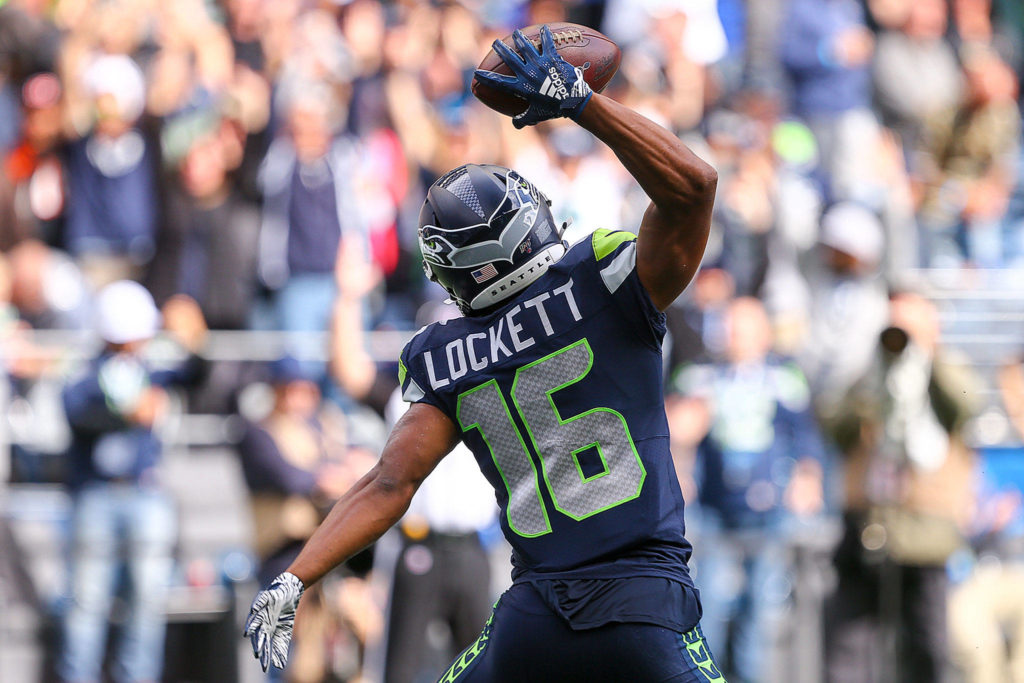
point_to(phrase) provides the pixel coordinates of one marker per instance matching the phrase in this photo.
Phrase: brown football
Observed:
(581, 46)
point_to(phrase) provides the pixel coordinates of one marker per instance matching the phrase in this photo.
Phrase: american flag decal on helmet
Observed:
(485, 273)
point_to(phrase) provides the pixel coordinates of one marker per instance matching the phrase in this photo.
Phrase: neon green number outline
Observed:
(558, 416)
(600, 454)
(494, 459)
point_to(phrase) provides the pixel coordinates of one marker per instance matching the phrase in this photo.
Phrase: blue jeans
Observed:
(744, 582)
(304, 304)
(112, 523)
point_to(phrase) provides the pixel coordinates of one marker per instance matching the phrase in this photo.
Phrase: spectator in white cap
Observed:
(126, 314)
(118, 78)
(119, 509)
(112, 198)
(853, 235)
(849, 301)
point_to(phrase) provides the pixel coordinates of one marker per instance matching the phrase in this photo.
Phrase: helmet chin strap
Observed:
(462, 305)
(452, 299)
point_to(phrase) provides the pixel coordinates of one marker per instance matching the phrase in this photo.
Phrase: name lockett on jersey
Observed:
(503, 338)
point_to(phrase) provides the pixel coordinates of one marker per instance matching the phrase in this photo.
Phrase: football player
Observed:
(553, 378)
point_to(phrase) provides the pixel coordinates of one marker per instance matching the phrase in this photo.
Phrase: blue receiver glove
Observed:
(552, 86)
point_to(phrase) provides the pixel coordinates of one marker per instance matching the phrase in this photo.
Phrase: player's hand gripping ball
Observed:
(553, 74)
(271, 618)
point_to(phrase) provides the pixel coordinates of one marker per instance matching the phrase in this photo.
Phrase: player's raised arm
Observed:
(422, 437)
(681, 186)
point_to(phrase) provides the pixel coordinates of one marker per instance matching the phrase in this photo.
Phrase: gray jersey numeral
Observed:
(557, 439)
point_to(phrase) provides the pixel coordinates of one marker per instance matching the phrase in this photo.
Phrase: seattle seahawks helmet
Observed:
(486, 233)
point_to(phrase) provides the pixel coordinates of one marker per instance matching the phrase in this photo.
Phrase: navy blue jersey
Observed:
(559, 395)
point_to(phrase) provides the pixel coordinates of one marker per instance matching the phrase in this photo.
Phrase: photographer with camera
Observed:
(907, 494)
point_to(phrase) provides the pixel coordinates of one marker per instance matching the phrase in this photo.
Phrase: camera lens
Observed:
(894, 339)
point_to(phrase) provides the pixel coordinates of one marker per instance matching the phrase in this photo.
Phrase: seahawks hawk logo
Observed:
(436, 242)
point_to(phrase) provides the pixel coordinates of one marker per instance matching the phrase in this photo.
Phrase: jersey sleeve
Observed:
(615, 256)
(413, 379)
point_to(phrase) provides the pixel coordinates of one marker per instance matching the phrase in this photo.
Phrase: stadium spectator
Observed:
(759, 463)
(849, 303)
(112, 198)
(290, 459)
(970, 152)
(364, 26)
(192, 68)
(697, 320)
(47, 288)
(119, 508)
(208, 239)
(745, 208)
(33, 186)
(826, 49)
(907, 494)
(246, 98)
(310, 206)
(915, 74)
(567, 163)
(29, 43)
(986, 610)
(40, 289)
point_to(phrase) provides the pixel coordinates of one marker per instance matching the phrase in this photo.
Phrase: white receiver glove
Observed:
(271, 617)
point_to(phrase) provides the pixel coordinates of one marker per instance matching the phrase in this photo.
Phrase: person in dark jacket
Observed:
(111, 218)
(119, 510)
(292, 464)
(207, 243)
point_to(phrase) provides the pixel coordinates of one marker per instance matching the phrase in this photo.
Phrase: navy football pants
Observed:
(525, 642)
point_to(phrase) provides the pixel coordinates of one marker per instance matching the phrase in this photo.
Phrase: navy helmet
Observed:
(486, 233)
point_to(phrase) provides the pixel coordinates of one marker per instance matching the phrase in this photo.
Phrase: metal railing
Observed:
(220, 345)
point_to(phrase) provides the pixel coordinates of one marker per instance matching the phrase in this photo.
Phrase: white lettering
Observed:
(467, 354)
(475, 361)
(538, 303)
(496, 343)
(566, 291)
(460, 355)
(515, 328)
(434, 382)
(558, 90)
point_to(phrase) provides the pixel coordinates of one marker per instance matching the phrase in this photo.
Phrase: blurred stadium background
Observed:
(258, 165)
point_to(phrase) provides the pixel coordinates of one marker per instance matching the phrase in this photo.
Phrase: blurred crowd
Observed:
(258, 165)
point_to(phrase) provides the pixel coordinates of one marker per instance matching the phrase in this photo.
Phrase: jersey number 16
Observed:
(558, 441)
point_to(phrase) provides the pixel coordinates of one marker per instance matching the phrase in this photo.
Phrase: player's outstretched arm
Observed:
(681, 186)
(422, 437)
